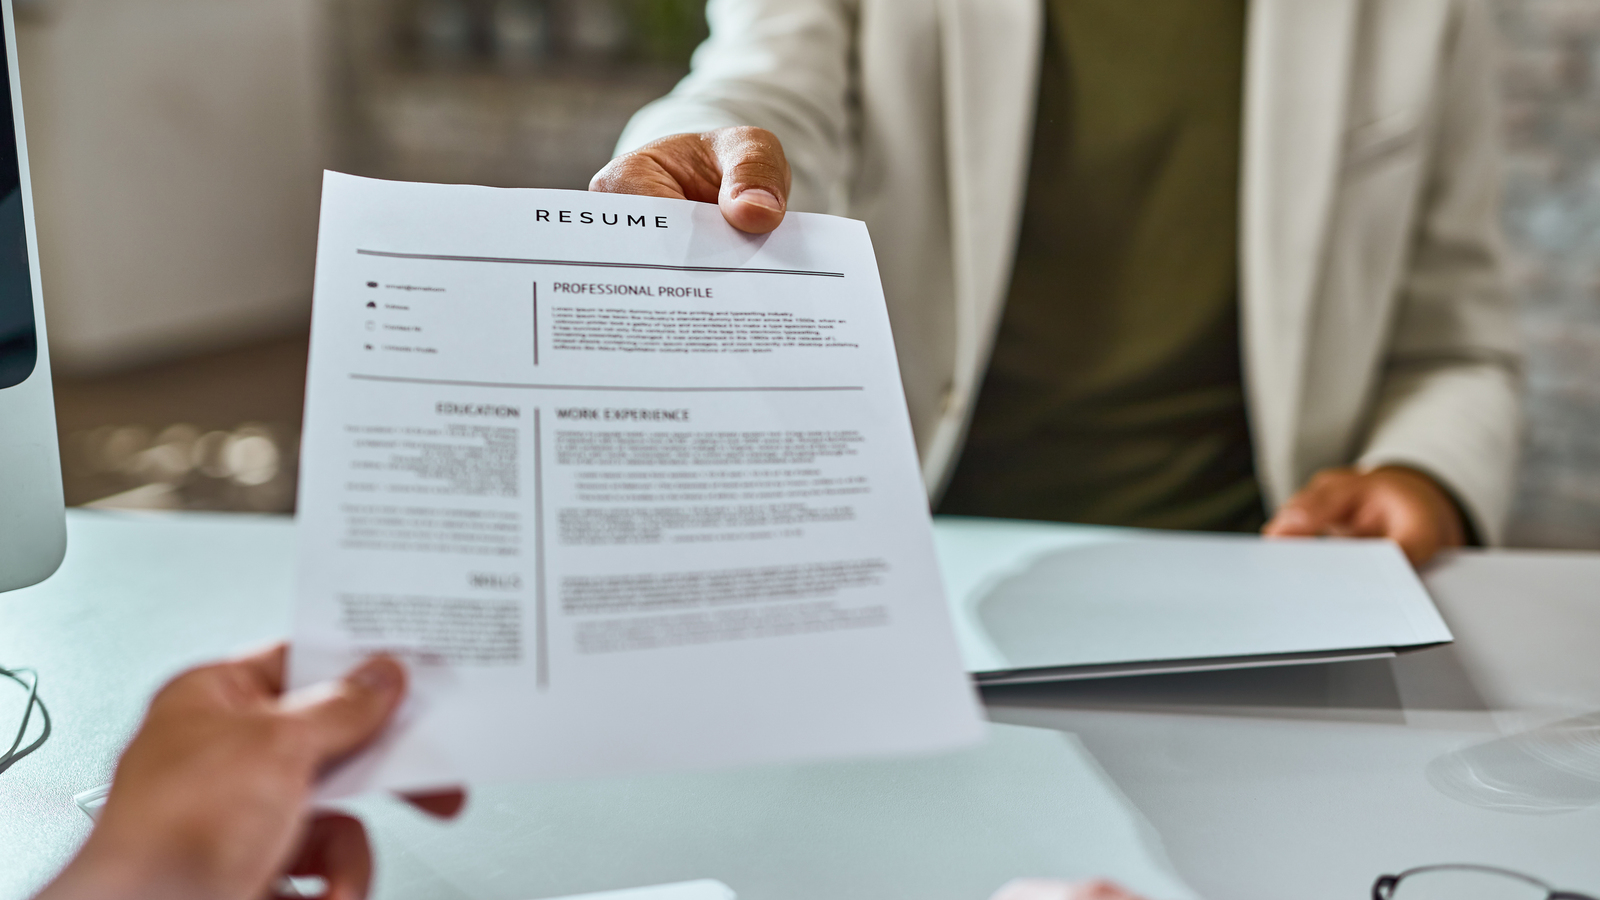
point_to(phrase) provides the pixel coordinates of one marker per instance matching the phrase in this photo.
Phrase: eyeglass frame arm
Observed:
(1383, 888)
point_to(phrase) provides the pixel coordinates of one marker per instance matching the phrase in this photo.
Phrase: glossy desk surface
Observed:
(1304, 782)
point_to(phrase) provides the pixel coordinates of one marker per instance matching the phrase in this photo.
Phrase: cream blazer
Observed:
(1376, 325)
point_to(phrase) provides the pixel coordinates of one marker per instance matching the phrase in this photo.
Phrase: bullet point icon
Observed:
(372, 284)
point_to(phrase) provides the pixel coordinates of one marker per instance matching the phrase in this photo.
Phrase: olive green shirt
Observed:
(1114, 395)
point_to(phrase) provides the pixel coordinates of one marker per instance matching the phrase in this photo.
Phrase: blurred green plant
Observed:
(666, 31)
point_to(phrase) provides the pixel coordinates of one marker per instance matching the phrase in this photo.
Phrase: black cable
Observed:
(12, 755)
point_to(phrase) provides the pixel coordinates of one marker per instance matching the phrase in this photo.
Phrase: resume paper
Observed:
(628, 489)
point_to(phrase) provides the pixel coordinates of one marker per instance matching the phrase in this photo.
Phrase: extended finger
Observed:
(439, 804)
(679, 166)
(755, 178)
(1323, 506)
(341, 716)
(336, 851)
(645, 175)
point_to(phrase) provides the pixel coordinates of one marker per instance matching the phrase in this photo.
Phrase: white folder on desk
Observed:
(1046, 602)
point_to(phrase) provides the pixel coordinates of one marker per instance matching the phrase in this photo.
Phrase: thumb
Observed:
(342, 716)
(755, 178)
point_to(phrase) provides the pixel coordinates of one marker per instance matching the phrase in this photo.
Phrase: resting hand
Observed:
(1395, 502)
(1043, 889)
(743, 170)
(210, 799)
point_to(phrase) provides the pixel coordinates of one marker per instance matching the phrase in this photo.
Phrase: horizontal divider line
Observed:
(596, 265)
(599, 387)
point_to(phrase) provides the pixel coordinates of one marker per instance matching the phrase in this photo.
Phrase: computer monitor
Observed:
(33, 530)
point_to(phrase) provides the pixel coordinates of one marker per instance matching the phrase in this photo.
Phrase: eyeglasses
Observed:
(1464, 881)
(12, 755)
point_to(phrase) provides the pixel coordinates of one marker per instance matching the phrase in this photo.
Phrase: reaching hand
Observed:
(210, 799)
(1395, 502)
(743, 170)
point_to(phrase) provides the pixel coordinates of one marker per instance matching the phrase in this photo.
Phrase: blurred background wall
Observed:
(1551, 82)
(175, 149)
(516, 93)
(177, 145)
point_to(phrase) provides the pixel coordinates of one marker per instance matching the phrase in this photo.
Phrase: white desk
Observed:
(1304, 782)
(1317, 777)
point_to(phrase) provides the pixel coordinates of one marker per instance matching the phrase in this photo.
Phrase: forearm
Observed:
(1448, 401)
(781, 65)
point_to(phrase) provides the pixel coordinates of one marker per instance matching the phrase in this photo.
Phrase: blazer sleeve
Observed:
(1448, 402)
(782, 65)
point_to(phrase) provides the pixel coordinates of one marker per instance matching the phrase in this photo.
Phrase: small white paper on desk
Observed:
(630, 490)
(706, 889)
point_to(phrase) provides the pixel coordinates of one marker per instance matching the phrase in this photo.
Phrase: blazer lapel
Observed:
(1297, 77)
(990, 50)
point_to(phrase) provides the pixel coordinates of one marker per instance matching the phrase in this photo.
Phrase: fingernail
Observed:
(378, 674)
(760, 197)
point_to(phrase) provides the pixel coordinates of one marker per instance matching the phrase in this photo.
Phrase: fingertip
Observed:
(753, 210)
(439, 804)
(336, 852)
(342, 716)
(1290, 522)
(381, 674)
